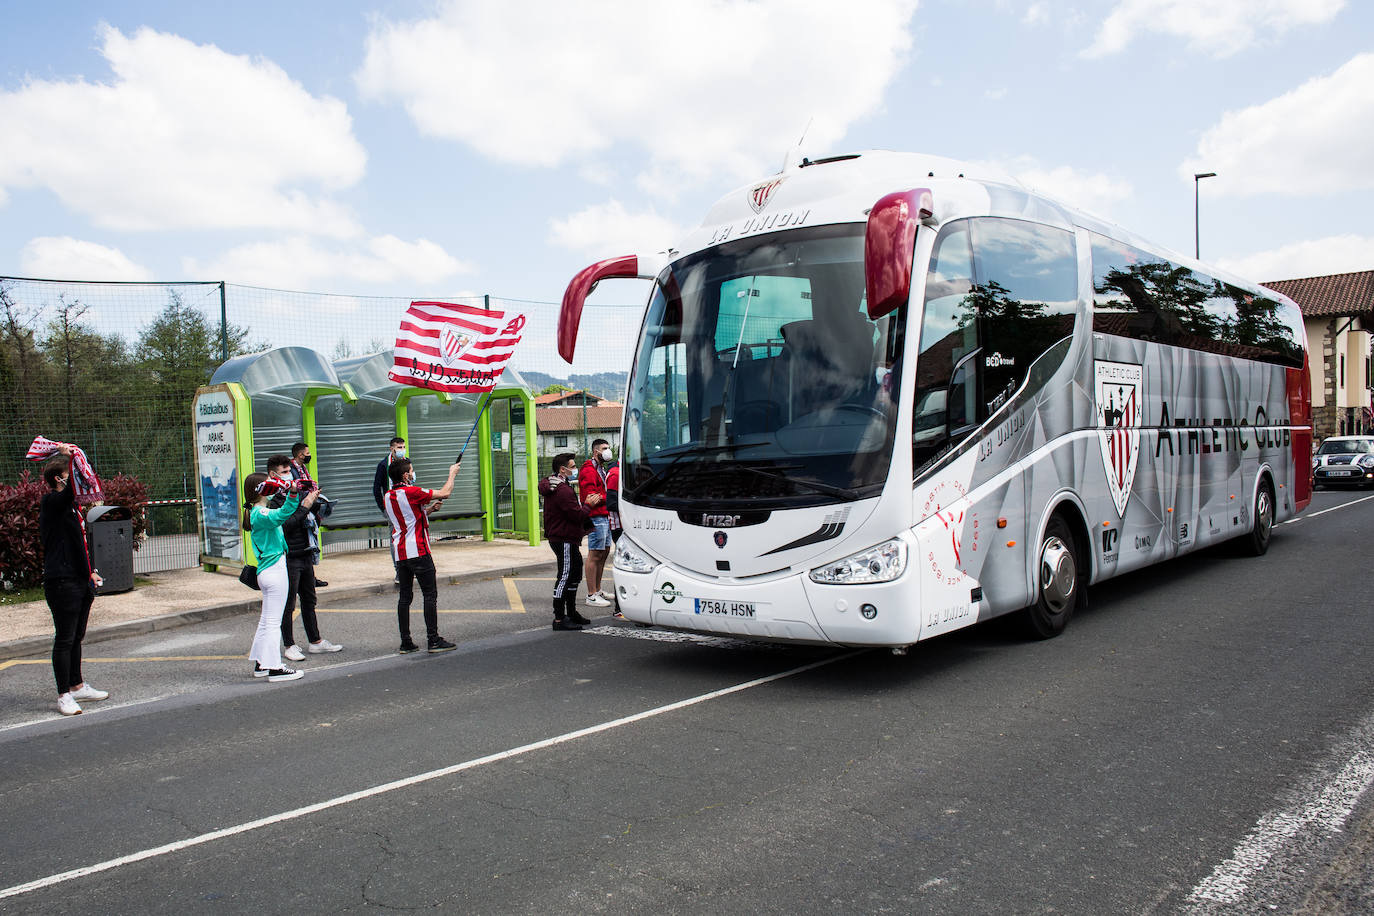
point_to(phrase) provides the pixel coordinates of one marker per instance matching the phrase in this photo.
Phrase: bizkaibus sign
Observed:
(215, 415)
(1118, 388)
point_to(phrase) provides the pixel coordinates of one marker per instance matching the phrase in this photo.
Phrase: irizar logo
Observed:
(1119, 388)
(668, 593)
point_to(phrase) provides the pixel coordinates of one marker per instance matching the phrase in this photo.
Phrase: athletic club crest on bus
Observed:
(1119, 388)
(761, 192)
(453, 343)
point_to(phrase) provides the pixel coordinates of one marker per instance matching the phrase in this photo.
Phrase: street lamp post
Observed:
(1197, 177)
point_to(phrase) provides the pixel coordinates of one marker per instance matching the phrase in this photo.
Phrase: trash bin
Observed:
(110, 530)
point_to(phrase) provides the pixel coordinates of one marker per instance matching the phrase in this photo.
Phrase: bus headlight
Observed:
(630, 558)
(881, 563)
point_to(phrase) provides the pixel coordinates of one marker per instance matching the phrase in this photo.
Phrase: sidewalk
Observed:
(183, 596)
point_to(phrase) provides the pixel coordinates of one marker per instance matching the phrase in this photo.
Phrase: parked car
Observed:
(1344, 461)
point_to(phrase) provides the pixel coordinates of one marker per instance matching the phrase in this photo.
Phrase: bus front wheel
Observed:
(1256, 543)
(1058, 582)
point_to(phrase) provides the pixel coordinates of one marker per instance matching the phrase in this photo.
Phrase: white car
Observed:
(1344, 461)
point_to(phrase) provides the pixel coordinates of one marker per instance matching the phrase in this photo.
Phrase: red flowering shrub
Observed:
(21, 556)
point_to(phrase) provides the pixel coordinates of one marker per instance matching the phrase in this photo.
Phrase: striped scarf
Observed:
(83, 475)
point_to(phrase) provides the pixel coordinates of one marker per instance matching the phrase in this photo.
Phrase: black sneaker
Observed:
(562, 623)
(441, 645)
(259, 670)
(407, 646)
(320, 583)
(578, 619)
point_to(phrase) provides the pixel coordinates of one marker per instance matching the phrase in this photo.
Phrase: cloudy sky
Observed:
(391, 147)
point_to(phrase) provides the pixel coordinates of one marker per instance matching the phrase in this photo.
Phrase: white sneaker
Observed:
(294, 653)
(324, 645)
(284, 674)
(595, 600)
(87, 692)
(607, 595)
(67, 706)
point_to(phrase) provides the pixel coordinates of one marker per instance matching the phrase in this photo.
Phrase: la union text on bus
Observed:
(879, 397)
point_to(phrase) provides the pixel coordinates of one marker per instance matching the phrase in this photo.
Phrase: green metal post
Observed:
(485, 485)
(223, 324)
(531, 469)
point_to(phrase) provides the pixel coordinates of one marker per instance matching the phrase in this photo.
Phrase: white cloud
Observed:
(66, 258)
(995, 95)
(722, 86)
(1036, 13)
(607, 230)
(1337, 254)
(1093, 192)
(303, 263)
(1316, 139)
(183, 136)
(1218, 28)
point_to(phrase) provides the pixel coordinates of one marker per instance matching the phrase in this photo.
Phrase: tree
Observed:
(180, 349)
(554, 389)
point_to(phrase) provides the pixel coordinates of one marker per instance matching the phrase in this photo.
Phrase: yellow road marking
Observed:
(516, 605)
(135, 658)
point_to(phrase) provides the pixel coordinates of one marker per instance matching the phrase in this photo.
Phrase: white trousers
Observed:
(266, 649)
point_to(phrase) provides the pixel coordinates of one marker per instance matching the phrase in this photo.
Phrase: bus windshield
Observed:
(760, 378)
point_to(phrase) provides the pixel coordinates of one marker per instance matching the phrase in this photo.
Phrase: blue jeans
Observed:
(599, 538)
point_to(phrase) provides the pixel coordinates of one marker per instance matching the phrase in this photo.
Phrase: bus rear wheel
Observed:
(1058, 582)
(1256, 543)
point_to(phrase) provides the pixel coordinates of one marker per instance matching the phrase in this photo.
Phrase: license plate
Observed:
(1340, 473)
(712, 607)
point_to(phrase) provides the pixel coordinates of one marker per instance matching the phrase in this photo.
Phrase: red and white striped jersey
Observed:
(409, 524)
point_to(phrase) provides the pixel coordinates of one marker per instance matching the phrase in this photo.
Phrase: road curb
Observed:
(42, 645)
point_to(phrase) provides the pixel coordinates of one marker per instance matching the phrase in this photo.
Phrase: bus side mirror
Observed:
(890, 247)
(575, 296)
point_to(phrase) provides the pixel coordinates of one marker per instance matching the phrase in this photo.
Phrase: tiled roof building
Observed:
(1338, 314)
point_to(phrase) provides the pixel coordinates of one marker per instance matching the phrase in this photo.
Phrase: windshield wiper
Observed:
(661, 475)
(779, 474)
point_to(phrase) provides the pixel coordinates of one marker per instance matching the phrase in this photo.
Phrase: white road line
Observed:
(1353, 502)
(296, 813)
(1319, 809)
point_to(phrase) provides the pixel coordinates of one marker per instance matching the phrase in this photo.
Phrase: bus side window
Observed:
(1025, 299)
(946, 337)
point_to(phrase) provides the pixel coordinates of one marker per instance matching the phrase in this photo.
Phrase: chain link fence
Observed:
(113, 367)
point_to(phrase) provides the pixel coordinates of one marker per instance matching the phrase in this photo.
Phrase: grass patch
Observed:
(20, 596)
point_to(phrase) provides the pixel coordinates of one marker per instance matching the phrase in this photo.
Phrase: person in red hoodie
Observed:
(565, 518)
(591, 482)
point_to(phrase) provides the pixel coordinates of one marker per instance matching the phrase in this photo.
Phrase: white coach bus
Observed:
(883, 396)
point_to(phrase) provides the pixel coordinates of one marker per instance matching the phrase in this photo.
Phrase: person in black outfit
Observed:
(565, 521)
(300, 580)
(381, 482)
(69, 582)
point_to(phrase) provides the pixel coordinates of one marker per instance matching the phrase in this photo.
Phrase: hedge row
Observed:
(21, 555)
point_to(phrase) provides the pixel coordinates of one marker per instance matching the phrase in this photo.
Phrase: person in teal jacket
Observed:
(270, 546)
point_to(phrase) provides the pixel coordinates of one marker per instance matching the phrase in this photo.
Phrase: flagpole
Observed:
(485, 405)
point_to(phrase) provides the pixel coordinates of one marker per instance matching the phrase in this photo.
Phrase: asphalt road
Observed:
(1199, 740)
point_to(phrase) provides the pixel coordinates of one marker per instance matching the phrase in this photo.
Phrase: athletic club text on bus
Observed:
(882, 396)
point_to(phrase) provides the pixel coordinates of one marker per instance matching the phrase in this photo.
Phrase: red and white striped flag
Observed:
(83, 475)
(445, 346)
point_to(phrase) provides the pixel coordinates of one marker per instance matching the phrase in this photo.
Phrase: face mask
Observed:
(401, 452)
(605, 454)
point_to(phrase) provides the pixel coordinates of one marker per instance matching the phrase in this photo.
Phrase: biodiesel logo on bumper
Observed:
(668, 593)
